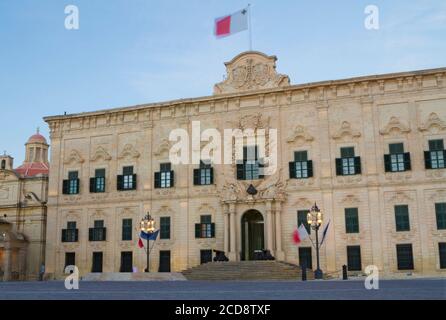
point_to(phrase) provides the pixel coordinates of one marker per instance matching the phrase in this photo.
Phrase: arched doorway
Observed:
(253, 234)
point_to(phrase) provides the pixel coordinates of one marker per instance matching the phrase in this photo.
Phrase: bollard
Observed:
(344, 272)
(304, 273)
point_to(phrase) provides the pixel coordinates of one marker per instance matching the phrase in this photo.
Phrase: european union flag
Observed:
(149, 236)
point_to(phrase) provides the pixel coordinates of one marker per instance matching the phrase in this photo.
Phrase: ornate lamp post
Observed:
(148, 226)
(315, 219)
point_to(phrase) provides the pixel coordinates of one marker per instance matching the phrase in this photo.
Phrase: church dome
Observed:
(37, 138)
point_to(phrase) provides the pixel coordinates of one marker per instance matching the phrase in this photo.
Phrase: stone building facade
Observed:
(23, 197)
(369, 151)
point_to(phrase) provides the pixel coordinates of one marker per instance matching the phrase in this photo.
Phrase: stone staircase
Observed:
(246, 270)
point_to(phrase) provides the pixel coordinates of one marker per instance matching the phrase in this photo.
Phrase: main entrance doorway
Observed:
(253, 238)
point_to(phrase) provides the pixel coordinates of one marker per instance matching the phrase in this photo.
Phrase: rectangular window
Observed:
(442, 254)
(301, 164)
(164, 264)
(397, 157)
(99, 180)
(127, 178)
(404, 256)
(70, 234)
(250, 169)
(205, 256)
(206, 226)
(126, 229)
(164, 178)
(126, 262)
(354, 258)
(437, 154)
(73, 182)
(98, 232)
(165, 228)
(302, 219)
(348, 164)
(440, 213)
(351, 220)
(402, 218)
(70, 259)
(305, 257)
(97, 262)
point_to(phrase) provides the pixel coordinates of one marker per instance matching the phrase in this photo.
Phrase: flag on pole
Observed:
(140, 243)
(325, 232)
(228, 25)
(300, 234)
(149, 236)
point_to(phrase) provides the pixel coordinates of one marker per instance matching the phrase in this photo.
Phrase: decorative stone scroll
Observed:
(129, 151)
(74, 156)
(251, 70)
(346, 131)
(432, 123)
(101, 153)
(394, 127)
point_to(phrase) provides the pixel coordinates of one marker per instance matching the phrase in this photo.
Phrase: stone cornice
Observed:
(316, 92)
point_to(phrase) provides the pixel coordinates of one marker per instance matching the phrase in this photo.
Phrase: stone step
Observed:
(246, 270)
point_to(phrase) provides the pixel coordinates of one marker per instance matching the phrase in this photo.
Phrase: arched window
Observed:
(3, 164)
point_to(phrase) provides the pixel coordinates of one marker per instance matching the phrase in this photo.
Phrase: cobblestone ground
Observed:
(205, 290)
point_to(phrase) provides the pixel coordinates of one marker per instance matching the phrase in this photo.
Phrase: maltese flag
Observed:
(228, 25)
(300, 234)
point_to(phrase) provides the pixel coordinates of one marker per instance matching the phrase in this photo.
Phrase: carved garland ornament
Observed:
(394, 127)
(74, 156)
(345, 131)
(434, 122)
(101, 153)
(129, 151)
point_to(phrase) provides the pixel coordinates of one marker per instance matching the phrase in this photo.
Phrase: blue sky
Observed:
(129, 52)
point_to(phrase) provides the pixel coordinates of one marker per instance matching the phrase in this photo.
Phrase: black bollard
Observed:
(344, 272)
(304, 273)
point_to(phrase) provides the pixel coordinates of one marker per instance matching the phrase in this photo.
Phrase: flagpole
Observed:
(250, 27)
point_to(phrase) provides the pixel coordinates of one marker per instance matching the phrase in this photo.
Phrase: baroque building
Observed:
(23, 197)
(368, 150)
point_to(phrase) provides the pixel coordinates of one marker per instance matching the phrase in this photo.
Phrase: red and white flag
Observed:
(228, 25)
(300, 234)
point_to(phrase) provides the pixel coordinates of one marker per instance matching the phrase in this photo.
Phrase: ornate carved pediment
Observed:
(162, 148)
(251, 71)
(300, 134)
(101, 153)
(303, 203)
(350, 199)
(346, 131)
(400, 198)
(74, 157)
(433, 123)
(252, 121)
(129, 151)
(394, 127)
(206, 209)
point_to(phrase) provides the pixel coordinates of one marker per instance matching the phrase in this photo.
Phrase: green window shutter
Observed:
(157, 180)
(240, 171)
(197, 177)
(440, 212)
(135, 180)
(65, 186)
(442, 254)
(197, 230)
(351, 220)
(212, 230)
(172, 179)
(211, 171)
(407, 164)
(119, 182)
(339, 167)
(92, 185)
(427, 160)
(357, 165)
(310, 168)
(387, 163)
(292, 167)
(402, 218)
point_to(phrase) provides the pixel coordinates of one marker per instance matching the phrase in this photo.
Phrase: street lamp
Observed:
(314, 219)
(148, 226)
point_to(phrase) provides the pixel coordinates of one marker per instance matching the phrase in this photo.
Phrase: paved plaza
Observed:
(200, 290)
